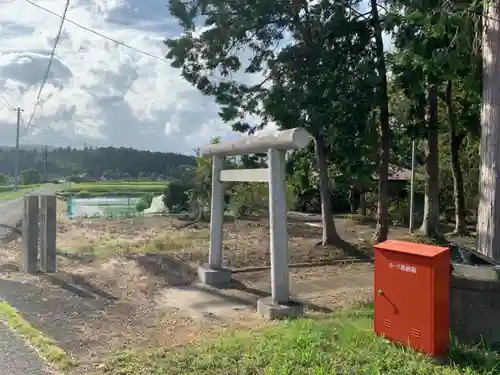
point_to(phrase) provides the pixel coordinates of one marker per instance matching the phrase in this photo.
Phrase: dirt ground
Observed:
(137, 277)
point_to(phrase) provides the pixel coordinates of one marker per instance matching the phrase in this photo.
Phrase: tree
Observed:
(488, 223)
(420, 57)
(4, 180)
(383, 102)
(64, 162)
(29, 177)
(313, 60)
(175, 196)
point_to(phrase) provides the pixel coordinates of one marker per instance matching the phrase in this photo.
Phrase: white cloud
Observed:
(98, 91)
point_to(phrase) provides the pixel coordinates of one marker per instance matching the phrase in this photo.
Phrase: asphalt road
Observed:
(12, 210)
(17, 358)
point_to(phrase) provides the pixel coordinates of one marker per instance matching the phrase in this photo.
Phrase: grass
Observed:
(117, 188)
(167, 242)
(8, 188)
(45, 346)
(336, 344)
(9, 194)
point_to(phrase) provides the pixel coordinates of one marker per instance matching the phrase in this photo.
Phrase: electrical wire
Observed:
(47, 72)
(98, 33)
(57, 135)
(5, 102)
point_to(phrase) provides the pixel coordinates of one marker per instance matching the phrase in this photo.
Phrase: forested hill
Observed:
(63, 162)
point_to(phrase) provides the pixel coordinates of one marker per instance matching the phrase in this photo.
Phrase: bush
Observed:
(175, 196)
(141, 205)
(144, 202)
(249, 199)
(399, 210)
(29, 177)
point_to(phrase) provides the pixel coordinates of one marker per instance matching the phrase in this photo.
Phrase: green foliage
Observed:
(247, 199)
(141, 205)
(144, 202)
(29, 177)
(4, 180)
(111, 162)
(176, 197)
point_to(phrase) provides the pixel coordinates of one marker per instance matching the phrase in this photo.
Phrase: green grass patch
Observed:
(8, 188)
(338, 344)
(9, 194)
(134, 182)
(113, 188)
(45, 346)
(166, 242)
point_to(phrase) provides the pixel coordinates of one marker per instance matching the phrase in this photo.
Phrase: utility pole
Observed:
(412, 188)
(16, 157)
(45, 162)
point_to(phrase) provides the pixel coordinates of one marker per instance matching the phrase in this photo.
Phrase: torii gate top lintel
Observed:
(290, 139)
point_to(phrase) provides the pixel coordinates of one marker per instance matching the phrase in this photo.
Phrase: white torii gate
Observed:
(279, 304)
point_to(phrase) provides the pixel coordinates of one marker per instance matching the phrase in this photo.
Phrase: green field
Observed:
(6, 192)
(112, 188)
(335, 344)
(8, 188)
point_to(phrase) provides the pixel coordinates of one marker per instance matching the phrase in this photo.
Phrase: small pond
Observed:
(102, 207)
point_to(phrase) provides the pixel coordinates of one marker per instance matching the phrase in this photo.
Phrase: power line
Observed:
(123, 44)
(7, 105)
(47, 72)
(98, 33)
(5, 102)
(55, 134)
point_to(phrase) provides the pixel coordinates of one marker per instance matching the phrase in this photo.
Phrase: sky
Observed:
(99, 92)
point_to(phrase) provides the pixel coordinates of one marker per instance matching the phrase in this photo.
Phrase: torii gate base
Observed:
(279, 304)
(214, 277)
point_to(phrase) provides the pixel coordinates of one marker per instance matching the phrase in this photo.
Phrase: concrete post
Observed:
(48, 233)
(280, 289)
(30, 233)
(213, 274)
(216, 215)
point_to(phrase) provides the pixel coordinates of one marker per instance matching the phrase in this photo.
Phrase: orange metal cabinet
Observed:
(411, 295)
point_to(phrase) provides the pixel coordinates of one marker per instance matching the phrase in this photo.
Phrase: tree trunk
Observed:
(362, 203)
(488, 220)
(456, 169)
(352, 199)
(330, 235)
(383, 102)
(430, 224)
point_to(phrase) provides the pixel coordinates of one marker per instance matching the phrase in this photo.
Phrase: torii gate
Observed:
(279, 304)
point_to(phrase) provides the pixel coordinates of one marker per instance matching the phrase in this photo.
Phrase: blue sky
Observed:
(99, 92)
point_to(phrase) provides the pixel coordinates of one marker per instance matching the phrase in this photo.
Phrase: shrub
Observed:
(249, 199)
(144, 202)
(175, 196)
(141, 205)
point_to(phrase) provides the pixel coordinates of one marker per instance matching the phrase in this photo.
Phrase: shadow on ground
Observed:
(79, 286)
(237, 285)
(173, 271)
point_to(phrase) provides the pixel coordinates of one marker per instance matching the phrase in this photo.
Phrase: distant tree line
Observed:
(111, 161)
